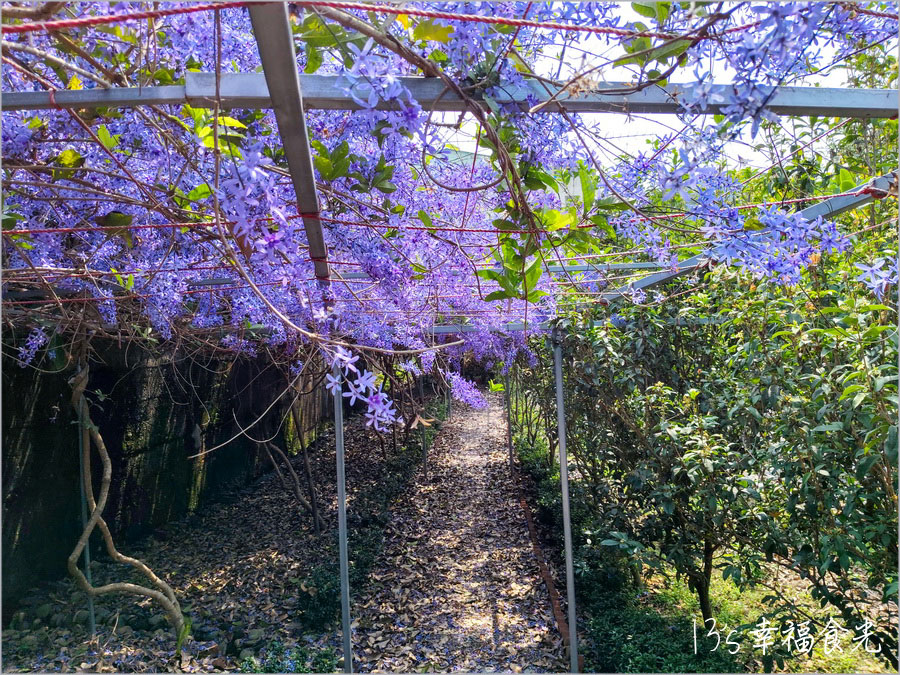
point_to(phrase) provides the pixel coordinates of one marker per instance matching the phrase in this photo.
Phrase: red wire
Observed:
(500, 20)
(449, 16)
(81, 21)
(380, 226)
(130, 296)
(106, 228)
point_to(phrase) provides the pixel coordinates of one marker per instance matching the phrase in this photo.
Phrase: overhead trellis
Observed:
(430, 173)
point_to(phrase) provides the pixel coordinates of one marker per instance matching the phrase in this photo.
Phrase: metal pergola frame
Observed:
(325, 92)
(282, 88)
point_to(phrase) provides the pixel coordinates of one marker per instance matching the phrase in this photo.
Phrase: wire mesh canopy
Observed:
(507, 274)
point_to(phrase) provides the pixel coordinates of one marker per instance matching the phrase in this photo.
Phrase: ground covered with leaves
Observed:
(457, 586)
(443, 574)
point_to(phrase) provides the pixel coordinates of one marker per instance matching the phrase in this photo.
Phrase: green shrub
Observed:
(300, 659)
(319, 597)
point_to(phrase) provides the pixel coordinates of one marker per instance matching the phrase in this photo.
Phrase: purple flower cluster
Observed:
(465, 391)
(380, 412)
(420, 274)
(879, 276)
(35, 340)
(784, 246)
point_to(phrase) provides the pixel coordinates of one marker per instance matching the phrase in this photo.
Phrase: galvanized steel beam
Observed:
(829, 208)
(272, 28)
(327, 92)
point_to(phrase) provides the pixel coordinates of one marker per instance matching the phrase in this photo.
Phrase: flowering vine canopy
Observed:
(179, 225)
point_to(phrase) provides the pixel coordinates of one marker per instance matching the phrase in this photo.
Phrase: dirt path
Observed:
(457, 587)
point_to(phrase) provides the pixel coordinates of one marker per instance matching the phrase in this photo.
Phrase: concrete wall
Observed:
(152, 416)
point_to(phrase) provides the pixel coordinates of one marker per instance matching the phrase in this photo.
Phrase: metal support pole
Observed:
(424, 434)
(509, 444)
(516, 402)
(564, 483)
(342, 522)
(84, 438)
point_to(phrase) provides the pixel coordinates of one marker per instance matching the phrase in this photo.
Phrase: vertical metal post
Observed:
(424, 435)
(342, 522)
(564, 483)
(84, 438)
(509, 444)
(516, 382)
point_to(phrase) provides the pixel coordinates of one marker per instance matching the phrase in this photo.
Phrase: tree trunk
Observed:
(700, 581)
(292, 485)
(297, 412)
(636, 574)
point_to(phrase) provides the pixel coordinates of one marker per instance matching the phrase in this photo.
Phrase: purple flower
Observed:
(366, 381)
(345, 360)
(333, 384)
(33, 342)
(876, 277)
(353, 392)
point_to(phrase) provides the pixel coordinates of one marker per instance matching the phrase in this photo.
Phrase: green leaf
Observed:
(164, 76)
(557, 220)
(890, 445)
(428, 30)
(675, 48)
(647, 9)
(68, 158)
(231, 122)
(114, 219)
(182, 634)
(831, 426)
(588, 187)
(202, 191)
(852, 389)
(846, 181)
(496, 295)
(865, 465)
(425, 218)
(533, 274)
(119, 222)
(313, 60)
(109, 141)
(491, 275)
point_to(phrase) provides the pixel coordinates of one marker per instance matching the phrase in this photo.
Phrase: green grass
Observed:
(733, 607)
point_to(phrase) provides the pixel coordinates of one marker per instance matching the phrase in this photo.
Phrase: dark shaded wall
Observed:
(153, 415)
